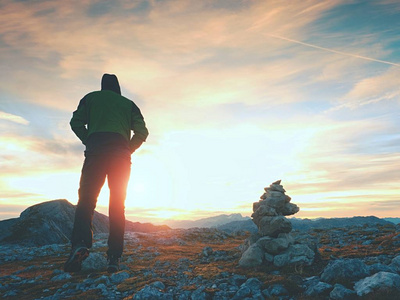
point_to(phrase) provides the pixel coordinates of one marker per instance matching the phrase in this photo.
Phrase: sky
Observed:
(236, 94)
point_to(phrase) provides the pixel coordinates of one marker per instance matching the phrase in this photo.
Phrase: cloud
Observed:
(380, 88)
(13, 118)
(35, 155)
(188, 67)
(348, 156)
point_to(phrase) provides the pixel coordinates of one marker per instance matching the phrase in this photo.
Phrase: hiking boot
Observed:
(77, 256)
(113, 264)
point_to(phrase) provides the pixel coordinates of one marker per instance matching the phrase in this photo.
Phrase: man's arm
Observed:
(139, 129)
(79, 120)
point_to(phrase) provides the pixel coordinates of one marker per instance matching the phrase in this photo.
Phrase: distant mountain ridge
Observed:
(329, 223)
(51, 223)
(214, 221)
(393, 220)
(307, 224)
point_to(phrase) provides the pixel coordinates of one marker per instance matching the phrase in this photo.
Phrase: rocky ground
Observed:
(354, 263)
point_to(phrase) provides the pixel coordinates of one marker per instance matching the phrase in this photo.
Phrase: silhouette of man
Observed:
(103, 122)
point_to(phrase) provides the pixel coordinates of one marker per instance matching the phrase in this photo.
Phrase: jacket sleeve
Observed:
(79, 120)
(138, 126)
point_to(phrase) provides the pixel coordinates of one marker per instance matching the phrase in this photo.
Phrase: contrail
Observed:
(334, 51)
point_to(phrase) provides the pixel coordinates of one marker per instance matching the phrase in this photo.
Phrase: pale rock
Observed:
(340, 292)
(395, 263)
(295, 254)
(290, 209)
(252, 257)
(94, 262)
(60, 277)
(273, 226)
(274, 195)
(254, 284)
(269, 257)
(287, 236)
(263, 240)
(152, 292)
(118, 277)
(263, 210)
(277, 202)
(242, 293)
(256, 205)
(381, 280)
(343, 270)
(318, 289)
(274, 246)
(277, 187)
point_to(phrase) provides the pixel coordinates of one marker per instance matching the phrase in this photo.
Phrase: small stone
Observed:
(238, 279)
(159, 285)
(207, 251)
(268, 257)
(277, 187)
(253, 284)
(290, 209)
(252, 257)
(243, 292)
(273, 226)
(340, 292)
(94, 262)
(277, 290)
(118, 277)
(274, 246)
(63, 276)
(318, 289)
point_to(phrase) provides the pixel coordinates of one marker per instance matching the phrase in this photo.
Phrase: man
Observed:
(109, 119)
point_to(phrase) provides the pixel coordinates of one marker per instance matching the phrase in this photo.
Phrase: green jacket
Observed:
(103, 114)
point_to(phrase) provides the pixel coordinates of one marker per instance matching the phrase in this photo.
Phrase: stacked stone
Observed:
(273, 243)
(268, 213)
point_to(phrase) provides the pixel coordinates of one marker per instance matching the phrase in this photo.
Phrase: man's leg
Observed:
(118, 177)
(92, 179)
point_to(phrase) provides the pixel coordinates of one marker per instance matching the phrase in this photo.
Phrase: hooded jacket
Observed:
(104, 119)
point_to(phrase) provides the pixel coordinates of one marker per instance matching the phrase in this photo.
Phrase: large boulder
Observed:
(378, 281)
(51, 222)
(345, 270)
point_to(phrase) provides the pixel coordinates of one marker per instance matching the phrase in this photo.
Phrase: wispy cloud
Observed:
(383, 87)
(13, 118)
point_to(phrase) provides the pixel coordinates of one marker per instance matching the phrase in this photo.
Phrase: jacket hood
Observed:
(110, 82)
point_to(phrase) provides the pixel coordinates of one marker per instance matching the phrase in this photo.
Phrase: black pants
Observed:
(94, 172)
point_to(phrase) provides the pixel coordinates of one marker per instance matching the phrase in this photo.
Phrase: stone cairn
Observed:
(274, 244)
